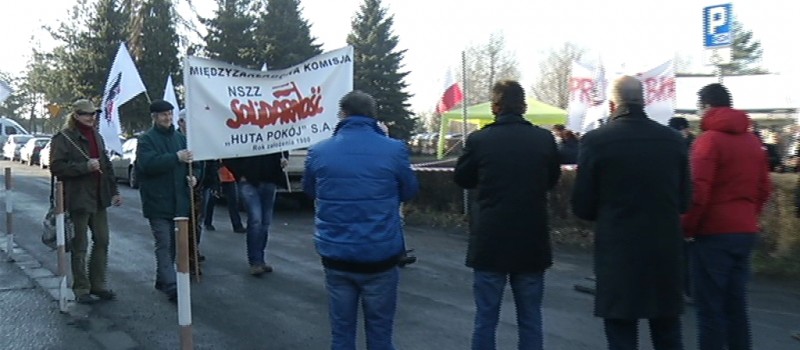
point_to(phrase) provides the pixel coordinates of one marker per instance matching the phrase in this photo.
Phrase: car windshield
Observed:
(41, 142)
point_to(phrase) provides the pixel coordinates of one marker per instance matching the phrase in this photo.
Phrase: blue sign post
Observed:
(718, 26)
(718, 34)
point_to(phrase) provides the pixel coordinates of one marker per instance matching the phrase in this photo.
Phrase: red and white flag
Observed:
(122, 85)
(452, 94)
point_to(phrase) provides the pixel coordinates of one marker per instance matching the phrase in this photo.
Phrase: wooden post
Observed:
(9, 216)
(184, 287)
(195, 223)
(63, 292)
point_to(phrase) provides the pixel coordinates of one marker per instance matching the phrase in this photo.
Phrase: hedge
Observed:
(440, 205)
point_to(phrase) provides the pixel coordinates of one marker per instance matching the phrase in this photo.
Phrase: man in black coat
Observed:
(513, 164)
(633, 180)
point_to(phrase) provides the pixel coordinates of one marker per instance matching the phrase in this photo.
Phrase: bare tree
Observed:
(486, 64)
(552, 85)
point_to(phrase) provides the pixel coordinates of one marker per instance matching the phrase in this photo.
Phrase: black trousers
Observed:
(665, 333)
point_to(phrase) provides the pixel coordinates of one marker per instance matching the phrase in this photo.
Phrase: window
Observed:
(10, 130)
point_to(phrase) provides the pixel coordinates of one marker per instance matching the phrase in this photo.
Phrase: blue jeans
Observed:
(378, 295)
(720, 272)
(259, 200)
(528, 289)
(232, 199)
(164, 235)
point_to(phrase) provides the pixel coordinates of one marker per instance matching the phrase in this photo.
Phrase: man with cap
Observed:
(79, 160)
(164, 185)
(633, 181)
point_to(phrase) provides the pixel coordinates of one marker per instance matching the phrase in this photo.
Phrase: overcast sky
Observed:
(633, 35)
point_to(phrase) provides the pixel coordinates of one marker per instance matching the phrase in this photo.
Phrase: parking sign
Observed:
(718, 26)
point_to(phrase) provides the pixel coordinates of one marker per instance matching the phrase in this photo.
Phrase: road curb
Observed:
(100, 329)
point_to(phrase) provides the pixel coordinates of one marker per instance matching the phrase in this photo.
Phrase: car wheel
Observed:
(132, 183)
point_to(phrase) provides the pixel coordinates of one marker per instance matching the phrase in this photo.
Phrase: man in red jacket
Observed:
(731, 185)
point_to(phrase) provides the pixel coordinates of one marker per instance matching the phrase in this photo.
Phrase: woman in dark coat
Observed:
(633, 180)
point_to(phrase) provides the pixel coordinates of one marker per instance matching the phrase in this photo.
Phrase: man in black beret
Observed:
(164, 185)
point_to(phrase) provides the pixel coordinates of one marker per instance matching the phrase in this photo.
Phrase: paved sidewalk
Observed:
(30, 317)
(30, 313)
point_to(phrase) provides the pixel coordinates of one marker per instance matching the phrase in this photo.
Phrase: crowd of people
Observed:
(656, 193)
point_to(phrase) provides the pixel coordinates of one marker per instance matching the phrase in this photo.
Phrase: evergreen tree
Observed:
(154, 43)
(230, 35)
(746, 53)
(283, 37)
(378, 67)
(98, 45)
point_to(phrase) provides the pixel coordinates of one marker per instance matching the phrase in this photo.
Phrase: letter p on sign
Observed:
(717, 25)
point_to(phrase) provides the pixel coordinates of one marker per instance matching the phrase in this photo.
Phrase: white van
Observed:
(9, 127)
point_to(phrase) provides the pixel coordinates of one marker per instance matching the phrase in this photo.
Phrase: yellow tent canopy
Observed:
(538, 113)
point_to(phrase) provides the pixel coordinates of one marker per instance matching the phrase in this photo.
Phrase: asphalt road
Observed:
(287, 309)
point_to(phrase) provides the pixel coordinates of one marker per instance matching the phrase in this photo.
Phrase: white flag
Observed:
(122, 85)
(5, 91)
(169, 96)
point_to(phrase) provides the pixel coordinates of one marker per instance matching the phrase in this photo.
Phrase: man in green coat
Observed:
(79, 161)
(164, 184)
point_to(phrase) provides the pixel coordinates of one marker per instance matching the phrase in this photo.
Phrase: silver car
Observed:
(13, 145)
(124, 163)
(44, 156)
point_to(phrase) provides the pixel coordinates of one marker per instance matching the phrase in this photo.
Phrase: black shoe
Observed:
(201, 258)
(86, 299)
(239, 230)
(172, 296)
(105, 294)
(210, 228)
(159, 286)
(406, 259)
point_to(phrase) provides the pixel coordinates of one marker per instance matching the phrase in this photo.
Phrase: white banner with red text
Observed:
(236, 112)
(659, 92)
(589, 107)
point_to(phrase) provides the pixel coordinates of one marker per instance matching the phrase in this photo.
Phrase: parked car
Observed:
(13, 145)
(44, 156)
(29, 153)
(9, 127)
(123, 164)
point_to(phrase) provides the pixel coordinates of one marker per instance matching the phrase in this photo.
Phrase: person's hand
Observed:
(688, 239)
(191, 180)
(284, 163)
(185, 155)
(93, 164)
(116, 200)
(242, 179)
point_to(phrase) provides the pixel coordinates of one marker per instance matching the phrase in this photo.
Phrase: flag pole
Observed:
(464, 120)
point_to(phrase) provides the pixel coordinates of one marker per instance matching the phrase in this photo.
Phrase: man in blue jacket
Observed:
(359, 177)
